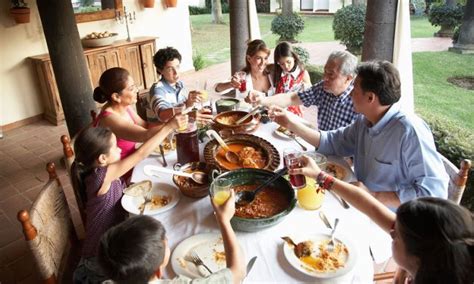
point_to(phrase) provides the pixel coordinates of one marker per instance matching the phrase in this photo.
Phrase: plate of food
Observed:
(283, 132)
(209, 247)
(168, 147)
(338, 171)
(312, 257)
(164, 197)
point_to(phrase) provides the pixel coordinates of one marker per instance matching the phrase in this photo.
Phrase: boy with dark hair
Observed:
(136, 251)
(170, 90)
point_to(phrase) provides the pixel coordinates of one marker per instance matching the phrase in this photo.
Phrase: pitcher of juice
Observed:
(308, 197)
(187, 145)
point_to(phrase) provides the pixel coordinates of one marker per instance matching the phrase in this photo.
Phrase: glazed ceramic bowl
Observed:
(186, 185)
(97, 42)
(256, 176)
(213, 151)
(227, 104)
(226, 120)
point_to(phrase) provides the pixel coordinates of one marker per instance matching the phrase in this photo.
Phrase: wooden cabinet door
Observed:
(147, 51)
(132, 62)
(101, 61)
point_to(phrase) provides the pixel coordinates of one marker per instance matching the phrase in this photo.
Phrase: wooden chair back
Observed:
(457, 178)
(69, 157)
(49, 230)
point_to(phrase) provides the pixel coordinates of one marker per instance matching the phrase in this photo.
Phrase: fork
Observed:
(331, 244)
(194, 258)
(148, 197)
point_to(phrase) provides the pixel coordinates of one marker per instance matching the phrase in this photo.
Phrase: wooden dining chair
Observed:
(457, 178)
(49, 232)
(69, 157)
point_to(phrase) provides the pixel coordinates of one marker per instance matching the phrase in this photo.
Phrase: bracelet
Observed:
(320, 178)
(328, 182)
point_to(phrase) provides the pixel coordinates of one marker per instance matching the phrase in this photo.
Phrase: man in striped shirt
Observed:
(330, 95)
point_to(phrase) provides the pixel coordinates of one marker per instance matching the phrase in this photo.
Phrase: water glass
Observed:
(292, 160)
(220, 190)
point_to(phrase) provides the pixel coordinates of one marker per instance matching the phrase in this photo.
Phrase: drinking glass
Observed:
(220, 190)
(320, 159)
(292, 160)
(243, 83)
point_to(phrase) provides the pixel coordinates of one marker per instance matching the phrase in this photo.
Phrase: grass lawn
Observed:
(433, 94)
(213, 41)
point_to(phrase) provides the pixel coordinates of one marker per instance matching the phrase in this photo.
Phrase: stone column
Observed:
(68, 61)
(379, 30)
(239, 33)
(465, 43)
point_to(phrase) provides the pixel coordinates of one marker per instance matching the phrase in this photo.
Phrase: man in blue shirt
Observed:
(395, 157)
(331, 95)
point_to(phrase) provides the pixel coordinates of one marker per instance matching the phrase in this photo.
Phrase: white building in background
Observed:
(330, 6)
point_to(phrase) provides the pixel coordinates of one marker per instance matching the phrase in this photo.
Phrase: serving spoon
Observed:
(197, 176)
(230, 156)
(245, 197)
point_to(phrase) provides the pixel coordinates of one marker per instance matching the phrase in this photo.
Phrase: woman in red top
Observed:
(289, 73)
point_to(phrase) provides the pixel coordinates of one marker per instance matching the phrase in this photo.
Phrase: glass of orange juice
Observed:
(308, 197)
(220, 190)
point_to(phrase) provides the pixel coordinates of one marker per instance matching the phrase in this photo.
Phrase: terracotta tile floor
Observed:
(25, 151)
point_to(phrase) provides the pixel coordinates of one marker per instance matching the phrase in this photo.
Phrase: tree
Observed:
(287, 8)
(217, 12)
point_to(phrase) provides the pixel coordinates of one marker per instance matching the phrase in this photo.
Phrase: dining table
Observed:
(193, 216)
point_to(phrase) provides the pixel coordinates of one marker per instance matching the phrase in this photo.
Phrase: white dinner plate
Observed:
(206, 246)
(131, 203)
(156, 151)
(316, 238)
(348, 174)
(281, 134)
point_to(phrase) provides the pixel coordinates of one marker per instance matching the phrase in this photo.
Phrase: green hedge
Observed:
(315, 73)
(287, 26)
(455, 144)
(193, 10)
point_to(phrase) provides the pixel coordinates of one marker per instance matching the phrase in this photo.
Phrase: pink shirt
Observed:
(128, 147)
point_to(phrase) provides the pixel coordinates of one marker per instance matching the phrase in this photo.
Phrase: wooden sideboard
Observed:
(135, 56)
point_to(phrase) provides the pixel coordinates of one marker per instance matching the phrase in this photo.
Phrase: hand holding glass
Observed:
(292, 160)
(243, 83)
(220, 190)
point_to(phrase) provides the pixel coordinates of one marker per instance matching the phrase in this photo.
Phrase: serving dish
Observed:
(215, 154)
(103, 41)
(242, 177)
(189, 187)
(227, 119)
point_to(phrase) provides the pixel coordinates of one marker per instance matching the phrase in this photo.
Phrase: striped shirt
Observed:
(164, 96)
(333, 111)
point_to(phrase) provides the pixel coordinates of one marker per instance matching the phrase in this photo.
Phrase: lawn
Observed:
(215, 46)
(434, 94)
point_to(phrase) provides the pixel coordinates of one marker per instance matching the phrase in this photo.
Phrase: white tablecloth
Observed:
(195, 216)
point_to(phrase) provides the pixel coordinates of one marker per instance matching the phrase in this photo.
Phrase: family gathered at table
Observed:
(389, 201)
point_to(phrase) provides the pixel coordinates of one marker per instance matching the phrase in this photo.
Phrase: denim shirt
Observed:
(396, 154)
(164, 96)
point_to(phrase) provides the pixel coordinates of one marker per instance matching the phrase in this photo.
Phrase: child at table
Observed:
(169, 92)
(97, 170)
(147, 253)
(289, 74)
(433, 238)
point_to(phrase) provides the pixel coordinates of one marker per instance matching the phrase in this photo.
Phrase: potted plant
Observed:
(149, 3)
(171, 3)
(20, 11)
(447, 17)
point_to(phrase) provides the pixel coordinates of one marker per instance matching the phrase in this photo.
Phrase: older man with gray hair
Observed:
(330, 95)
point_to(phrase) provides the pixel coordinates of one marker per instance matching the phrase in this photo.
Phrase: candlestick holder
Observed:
(127, 18)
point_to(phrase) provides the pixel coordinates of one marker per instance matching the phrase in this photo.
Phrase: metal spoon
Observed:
(293, 136)
(197, 176)
(230, 156)
(245, 197)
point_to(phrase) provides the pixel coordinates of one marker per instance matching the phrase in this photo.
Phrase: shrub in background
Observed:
(445, 16)
(193, 10)
(287, 26)
(349, 26)
(315, 73)
(303, 54)
(455, 144)
(198, 61)
(224, 3)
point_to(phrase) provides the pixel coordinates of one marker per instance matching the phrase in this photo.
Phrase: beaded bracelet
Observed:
(324, 180)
